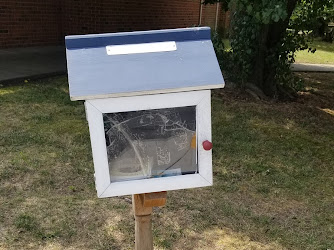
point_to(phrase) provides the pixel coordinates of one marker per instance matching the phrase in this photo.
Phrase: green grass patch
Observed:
(227, 44)
(272, 162)
(26, 222)
(324, 53)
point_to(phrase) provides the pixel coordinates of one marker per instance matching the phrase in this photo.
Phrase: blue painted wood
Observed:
(93, 74)
(102, 40)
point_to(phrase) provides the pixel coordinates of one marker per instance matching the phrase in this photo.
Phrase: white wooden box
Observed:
(107, 185)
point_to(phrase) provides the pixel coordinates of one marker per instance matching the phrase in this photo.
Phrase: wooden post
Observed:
(142, 208)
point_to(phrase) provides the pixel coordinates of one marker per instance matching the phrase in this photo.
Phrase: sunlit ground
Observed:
(324, 53)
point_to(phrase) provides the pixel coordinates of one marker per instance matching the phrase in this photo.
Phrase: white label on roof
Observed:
(140, 48)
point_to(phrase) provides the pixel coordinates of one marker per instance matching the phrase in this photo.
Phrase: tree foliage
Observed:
(265, 36)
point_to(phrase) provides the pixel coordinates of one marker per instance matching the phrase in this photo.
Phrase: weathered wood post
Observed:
(142, 208)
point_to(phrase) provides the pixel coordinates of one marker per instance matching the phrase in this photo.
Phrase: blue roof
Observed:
(93, 73)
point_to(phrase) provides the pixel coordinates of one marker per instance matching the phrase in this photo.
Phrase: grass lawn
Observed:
(273, 176)
(323, 55)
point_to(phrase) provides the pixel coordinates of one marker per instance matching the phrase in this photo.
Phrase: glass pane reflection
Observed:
(151, 143)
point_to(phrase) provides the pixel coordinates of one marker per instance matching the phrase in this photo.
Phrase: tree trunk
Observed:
(269, 41)
(259, 70)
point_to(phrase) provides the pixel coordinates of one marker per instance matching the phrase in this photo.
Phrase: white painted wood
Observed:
(149, 92)
(99, 150)
(155, 185)
(204, 133)
(126, 49)
(95, 109)
(136, 103)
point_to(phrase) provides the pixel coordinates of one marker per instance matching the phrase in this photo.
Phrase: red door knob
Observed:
(207, 145)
